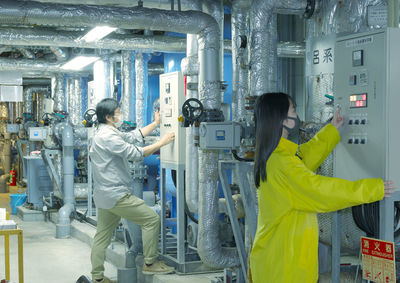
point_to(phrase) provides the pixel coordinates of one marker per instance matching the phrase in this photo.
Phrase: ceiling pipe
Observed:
(263, 41)
(26, 65)
(26, 53)
(157, 43)
(159, 4)
(60, 53)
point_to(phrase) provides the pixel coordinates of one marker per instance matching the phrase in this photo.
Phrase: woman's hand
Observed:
(167, 138)
(389, 188)
(157, 118)
(337, 119)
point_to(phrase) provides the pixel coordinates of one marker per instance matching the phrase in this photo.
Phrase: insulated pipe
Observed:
(59, 52)
(190, 69)
(57, 88)
(26, 53)
(263, 57)
(63, 227)
(240, 28)
(101, 73)
(48, 37)
(26, 66)
(128, 85)
(74, 101)
(141, 84)
(159, 4)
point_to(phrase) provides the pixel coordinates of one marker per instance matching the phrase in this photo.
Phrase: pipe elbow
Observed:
(64, 213)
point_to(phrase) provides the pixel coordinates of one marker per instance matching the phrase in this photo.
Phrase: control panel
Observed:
(172, 97)
(220, 135)
(37, 133)
(367, 88)
(13, 128)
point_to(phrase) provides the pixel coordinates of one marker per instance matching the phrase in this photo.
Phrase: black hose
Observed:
(186, 208)
(238, 158)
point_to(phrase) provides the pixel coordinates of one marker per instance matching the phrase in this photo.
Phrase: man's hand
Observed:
(337, 119)
(167, 138)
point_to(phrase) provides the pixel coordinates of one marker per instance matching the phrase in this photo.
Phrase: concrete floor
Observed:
(47, 259)
(51, 260)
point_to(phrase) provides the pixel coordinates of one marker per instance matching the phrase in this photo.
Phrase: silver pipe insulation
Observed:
(27, 66)
(128, 82)
(60, 53)
(240, 83)
(141, 82)
(26, 53)
(190, 68)
(155, 69)
(290, 49)
(158, 4)
(263, 41)
(63, 226)
(48, 37)
(75, 101)
(57, 83)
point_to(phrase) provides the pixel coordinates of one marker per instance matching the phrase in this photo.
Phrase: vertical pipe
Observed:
(101, 76)
(57, 83)
(141, 86)
(393, 13)
(128, 85)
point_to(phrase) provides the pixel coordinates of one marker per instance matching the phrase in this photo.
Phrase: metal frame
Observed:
(174, 249)
(386, 231)
(6, 234)
(249, 202)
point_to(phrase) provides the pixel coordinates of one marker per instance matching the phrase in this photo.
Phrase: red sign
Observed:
(378, 260)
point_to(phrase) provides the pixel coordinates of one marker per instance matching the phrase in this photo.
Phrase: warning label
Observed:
(378, 262)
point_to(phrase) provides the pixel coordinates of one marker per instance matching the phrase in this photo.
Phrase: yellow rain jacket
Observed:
(286, 243)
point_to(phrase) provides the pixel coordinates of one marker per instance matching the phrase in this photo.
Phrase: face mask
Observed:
(119, 122)
(295, 130)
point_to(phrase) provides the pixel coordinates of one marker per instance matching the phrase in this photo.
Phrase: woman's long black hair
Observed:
(270, 110)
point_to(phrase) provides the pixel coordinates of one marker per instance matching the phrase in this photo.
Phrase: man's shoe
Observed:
(157, 267)
(105, 280)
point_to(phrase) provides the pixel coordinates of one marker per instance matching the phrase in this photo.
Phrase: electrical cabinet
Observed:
(172, 97)
(367, 87)
(37, 133)
(39, 182)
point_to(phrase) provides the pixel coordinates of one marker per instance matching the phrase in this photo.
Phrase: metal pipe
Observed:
(60, 53)
(74, 104)
(26, 66)
(159, 4)
(128, 82)
(57, 88)
(26, 53)
(393, 13)
(63, 227)
(263, 55)
(141, 84)
(49, 37)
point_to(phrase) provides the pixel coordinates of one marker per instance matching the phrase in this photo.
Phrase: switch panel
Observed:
(172, 97)
(367, 85)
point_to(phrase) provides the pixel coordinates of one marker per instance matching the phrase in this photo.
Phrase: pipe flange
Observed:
(309, 9)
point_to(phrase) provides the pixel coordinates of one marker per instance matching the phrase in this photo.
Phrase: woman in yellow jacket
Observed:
(290, 193)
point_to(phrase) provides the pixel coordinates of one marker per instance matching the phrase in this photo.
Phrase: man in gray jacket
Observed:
(110, 152)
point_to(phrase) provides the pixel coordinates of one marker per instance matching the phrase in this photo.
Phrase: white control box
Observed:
(172, 97)
(367, 88)
(12, 128)
(37, 134)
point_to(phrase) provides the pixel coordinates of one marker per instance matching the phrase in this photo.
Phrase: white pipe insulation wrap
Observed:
(190, 68)
(141, 83)
(263, 41)
(57, 88)
(128, 83)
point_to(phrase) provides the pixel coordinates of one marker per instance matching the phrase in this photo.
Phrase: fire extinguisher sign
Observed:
(378, 261)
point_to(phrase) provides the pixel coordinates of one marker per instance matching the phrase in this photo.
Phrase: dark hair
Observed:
(270, 110)
(105, 107)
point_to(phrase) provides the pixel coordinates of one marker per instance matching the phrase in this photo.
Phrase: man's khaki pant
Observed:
(135, 210)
